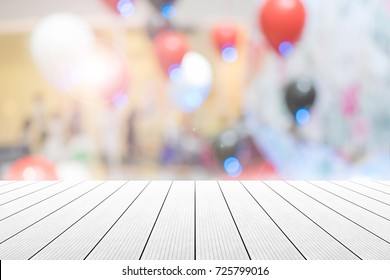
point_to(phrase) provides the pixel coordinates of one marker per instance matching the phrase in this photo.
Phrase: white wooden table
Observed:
(195, 220)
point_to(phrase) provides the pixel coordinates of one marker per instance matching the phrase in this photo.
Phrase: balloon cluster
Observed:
(352, 115)
(189, 72)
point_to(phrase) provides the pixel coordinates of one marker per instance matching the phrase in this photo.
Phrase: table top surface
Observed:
(155, 220)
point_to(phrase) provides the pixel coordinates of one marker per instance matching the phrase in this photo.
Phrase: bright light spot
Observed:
(168, 11)
(302, 116)
(304, 84)
(29, 174)
(175, 73)
(229, 54)
(197, 70)
(126, 8)
(287, 4)
(232, 166)
(286, 49)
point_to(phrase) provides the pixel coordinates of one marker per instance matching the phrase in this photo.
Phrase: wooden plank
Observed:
(28, 242)
(24, 219)
(262, 237)
(23, 192)
(367, 220)
(312, 241)
(9, 209)
(383, 182)
(3, 183)
(216, 234)
(127, 239)
(15, 186)
(173, 235)
(373, 185)
(358, 240)
(79, 240)
(371, 205)
(364, 191)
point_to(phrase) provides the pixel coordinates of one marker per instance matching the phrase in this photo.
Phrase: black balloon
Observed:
(158, 4)
(299, 94)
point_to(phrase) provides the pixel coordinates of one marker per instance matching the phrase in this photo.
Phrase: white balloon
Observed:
(191, 82)
(58, 44)
(197, 70)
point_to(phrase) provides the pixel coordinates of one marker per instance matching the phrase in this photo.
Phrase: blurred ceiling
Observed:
(21, 15)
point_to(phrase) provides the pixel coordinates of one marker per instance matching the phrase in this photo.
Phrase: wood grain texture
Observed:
(155, 220)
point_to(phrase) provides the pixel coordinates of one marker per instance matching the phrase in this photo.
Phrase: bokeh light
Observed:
(187, 98)
(175, 73)
(168, 11)
(193, 99)
(286, 49)
(229, 54)
(302, 116)
(232, 166)
(126, 8)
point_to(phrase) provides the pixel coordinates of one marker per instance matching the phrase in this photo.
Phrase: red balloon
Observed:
(170, 47)
(282, 21)
(224, 34)
(32, 168)
(112, 4)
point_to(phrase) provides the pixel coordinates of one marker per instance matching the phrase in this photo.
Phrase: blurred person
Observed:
(79, 146)
(131, 144)
(110, 132)
(170, 152)
(75, 121)
(53, 148)
(26, 138)
(38, 123)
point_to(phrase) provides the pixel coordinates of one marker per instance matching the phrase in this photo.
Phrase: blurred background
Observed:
(222, 89)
